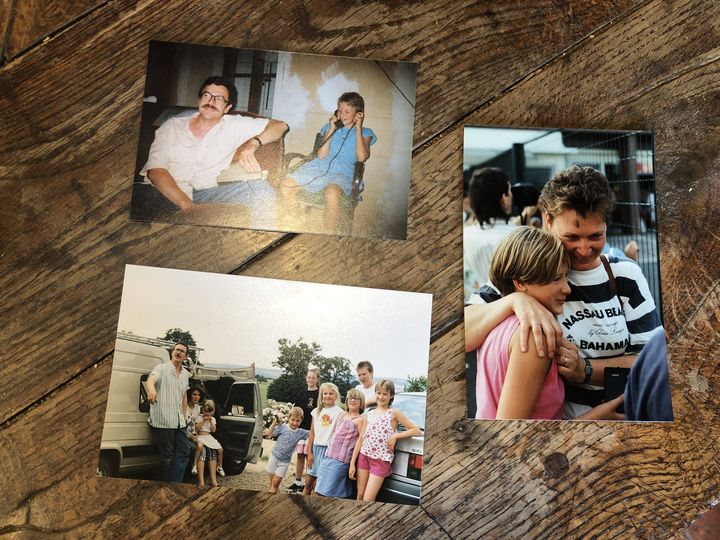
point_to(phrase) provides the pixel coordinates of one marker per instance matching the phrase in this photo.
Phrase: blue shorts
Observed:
(257, 195)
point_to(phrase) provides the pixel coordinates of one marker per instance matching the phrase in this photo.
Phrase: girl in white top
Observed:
(323, 421)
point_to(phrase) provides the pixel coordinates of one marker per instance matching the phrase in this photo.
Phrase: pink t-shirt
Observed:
(492, 363)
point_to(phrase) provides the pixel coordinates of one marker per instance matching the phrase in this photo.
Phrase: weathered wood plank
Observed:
(66, 170)
(69, 292)
(456, 73)
(480, 479)
(6, 15)
(559, 479)
(54, 489)
(33, 20)
(677, 102)
(65, 174)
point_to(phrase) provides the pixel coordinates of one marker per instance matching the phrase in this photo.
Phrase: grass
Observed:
(263, 393)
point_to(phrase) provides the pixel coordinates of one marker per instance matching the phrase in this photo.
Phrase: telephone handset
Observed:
(338, 122)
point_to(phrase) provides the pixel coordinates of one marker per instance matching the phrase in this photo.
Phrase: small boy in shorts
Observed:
(307, 400)
(287, 435)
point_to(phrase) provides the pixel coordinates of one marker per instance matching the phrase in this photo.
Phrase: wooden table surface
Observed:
(71, 78)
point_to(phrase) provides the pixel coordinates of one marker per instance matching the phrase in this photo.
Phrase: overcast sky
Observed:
(238, 319)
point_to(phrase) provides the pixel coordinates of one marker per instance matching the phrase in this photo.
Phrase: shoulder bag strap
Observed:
(613, 283)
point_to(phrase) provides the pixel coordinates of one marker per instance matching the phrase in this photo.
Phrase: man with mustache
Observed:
(167, 388)
(188, 154)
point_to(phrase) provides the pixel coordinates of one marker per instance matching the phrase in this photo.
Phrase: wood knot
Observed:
(461, 431)
(556, 464)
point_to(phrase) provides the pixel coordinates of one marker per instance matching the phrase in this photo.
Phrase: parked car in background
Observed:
(404, 484)
(127, 447)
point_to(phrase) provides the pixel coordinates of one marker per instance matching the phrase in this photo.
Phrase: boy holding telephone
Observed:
(330, 175)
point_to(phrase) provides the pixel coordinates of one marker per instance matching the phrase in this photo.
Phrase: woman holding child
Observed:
(596, 328)
(208, 448)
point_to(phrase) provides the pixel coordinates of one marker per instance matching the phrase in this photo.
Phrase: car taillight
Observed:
(415, 463)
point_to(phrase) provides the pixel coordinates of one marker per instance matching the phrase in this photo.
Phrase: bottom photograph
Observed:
(268, 385)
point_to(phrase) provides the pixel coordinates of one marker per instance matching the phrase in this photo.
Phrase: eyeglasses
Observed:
(353, 398)
(207, 96)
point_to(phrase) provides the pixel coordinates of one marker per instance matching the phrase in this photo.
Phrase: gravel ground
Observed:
(255, 476)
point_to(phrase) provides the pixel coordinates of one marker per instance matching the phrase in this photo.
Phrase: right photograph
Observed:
(563, 307)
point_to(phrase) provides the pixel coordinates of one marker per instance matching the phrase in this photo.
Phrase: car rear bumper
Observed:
(395, 490)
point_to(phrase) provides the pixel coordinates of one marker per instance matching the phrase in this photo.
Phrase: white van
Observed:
(127, 446)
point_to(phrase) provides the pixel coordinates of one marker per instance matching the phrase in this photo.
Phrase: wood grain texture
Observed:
(71, 109)
(6, 16)
(30, 21)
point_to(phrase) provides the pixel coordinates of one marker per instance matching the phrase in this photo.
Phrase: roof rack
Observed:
(160, 343)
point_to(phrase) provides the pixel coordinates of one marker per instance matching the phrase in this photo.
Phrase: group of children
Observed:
(201, 425)
(341, 445)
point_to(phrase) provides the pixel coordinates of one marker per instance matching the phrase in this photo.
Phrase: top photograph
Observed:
(276, 141)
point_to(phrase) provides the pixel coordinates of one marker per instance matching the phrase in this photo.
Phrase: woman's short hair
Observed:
(528, 255)
(354, 392)
(365, 364)
(388, 386)
(582, 189)
(353, 99)
(487, 186)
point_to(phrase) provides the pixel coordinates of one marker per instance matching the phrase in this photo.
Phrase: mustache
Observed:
(209, 106)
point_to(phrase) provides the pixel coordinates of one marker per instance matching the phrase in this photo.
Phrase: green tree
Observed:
(178, 334)
(336, 370)
(416, 384)
(294, 359)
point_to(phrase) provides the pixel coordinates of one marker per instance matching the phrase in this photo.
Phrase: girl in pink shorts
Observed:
(373, 451)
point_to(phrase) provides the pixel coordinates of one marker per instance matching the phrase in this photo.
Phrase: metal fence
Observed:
(625, 157)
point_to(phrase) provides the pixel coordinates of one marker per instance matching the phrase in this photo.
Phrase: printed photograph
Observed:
(275, 141)
(563, 311)
(268, 385)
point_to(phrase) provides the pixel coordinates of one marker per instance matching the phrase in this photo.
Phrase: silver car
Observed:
(403, 485)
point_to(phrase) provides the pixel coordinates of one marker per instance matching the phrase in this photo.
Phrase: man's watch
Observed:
(588, 370)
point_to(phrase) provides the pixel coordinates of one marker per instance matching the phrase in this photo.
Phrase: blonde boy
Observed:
(287, 436)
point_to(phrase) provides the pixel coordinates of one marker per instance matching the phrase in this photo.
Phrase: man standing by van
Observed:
(167, 388)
